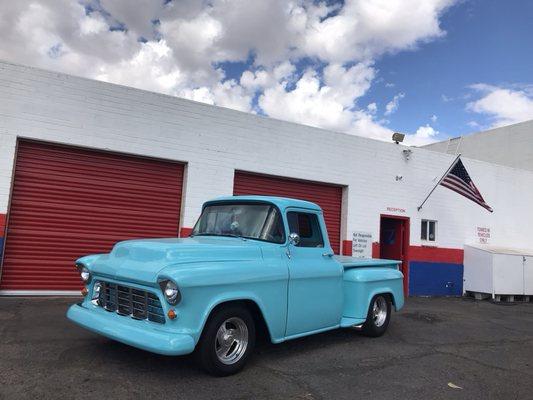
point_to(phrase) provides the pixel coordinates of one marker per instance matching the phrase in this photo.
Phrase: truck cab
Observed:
(251, 262)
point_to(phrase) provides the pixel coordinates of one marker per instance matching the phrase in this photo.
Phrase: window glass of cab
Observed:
(306, 225)
(248, 220)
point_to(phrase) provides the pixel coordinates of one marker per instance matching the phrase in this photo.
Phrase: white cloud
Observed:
(329, 104)
(363, 30)
(392, 105)
(473, 124)
(177, 48)
(504, 106)
(137, 17)
(226, 94)
(433, 118)
(92, 25)
(151, 68)
(365, 125)
(424, 135)
(262, 79)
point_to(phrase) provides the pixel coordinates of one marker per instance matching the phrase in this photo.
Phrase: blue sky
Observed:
(487, 41)
(432, 69)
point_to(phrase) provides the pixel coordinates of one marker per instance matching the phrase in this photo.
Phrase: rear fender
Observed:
(360, 285)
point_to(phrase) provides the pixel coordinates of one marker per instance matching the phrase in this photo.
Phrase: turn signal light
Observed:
(84, 292)
(171, 314)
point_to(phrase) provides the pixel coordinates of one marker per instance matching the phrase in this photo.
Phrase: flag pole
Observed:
(440, 180)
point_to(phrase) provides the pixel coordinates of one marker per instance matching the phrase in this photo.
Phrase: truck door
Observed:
(315, 277)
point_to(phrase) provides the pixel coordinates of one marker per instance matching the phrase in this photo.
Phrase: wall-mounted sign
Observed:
(395, 209)
(362, 244)
(483, 234)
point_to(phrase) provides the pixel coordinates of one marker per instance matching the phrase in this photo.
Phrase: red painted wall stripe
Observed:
(375, 250)
(2, 224)
(436, 254)
(417, 253)
(346, 247)
(185, 232)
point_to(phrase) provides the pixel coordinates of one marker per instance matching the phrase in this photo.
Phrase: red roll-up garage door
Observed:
(68, 202)
(328, 197)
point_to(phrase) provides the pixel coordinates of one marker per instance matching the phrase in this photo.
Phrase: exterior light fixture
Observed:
(398, 137)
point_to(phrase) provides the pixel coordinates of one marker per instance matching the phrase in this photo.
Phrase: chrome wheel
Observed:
(231, 340)
(379, 311)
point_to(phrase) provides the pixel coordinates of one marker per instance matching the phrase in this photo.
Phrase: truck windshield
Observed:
(250, 221)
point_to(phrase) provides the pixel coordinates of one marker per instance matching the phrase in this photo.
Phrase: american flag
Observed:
(459, 181)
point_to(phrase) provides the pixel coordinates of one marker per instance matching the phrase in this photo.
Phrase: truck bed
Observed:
(355, 262)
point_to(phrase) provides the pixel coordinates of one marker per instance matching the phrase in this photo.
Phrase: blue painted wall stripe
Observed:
(435, 279)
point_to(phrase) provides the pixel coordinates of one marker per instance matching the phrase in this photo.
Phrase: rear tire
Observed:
(378, 316)
(227, 341)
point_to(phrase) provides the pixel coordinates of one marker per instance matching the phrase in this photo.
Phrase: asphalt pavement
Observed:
(440, 348)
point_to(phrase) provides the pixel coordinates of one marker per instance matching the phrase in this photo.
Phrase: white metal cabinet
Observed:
(528, 275)
(508, 273)
(498, 270)
(477, 273)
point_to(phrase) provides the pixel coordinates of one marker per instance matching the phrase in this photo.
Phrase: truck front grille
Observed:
(128, 301)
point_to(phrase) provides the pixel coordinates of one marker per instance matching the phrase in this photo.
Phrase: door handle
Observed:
(327, 254)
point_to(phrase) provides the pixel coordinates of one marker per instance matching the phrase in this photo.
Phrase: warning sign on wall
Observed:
(483, 234)
(362, 244)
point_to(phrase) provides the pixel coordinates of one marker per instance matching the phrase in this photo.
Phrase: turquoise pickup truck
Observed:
(251, 264)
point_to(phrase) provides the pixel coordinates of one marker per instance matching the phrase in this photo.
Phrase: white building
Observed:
(85, 163)
(510, 145)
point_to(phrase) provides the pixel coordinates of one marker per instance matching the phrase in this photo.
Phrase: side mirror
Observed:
(294, 239)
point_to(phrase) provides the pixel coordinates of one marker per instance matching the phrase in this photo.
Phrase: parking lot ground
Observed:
(483, 349)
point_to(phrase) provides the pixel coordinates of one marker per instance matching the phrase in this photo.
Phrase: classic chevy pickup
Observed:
(251, 263)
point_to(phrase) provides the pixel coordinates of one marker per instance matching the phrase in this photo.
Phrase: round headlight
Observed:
(171, 292)
(85, 274)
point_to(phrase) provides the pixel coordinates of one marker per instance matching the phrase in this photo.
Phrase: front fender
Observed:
(243, 296)
(88, 261)
(204, 286)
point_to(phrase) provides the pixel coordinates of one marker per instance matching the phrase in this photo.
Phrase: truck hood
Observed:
(142, 260)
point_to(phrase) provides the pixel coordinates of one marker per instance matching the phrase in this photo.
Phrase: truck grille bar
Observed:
(128, 301)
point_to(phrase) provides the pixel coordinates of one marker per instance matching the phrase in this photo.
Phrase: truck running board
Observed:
(347, 322)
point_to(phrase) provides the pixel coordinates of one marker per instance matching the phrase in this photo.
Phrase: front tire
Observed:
(227, 341)
(378, 316)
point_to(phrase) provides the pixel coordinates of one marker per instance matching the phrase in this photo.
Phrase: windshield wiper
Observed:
(234, 235)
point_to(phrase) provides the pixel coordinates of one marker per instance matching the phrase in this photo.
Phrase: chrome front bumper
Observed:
(145, 335)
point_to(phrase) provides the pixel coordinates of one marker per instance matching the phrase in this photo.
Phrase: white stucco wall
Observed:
(510, 145)
(215, 141)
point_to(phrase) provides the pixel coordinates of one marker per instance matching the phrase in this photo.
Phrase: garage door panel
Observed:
(328, 197)
(115, 186)
(78, 216)
(69, 202)
(117, 183)
(81, 185)
(102, 204)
